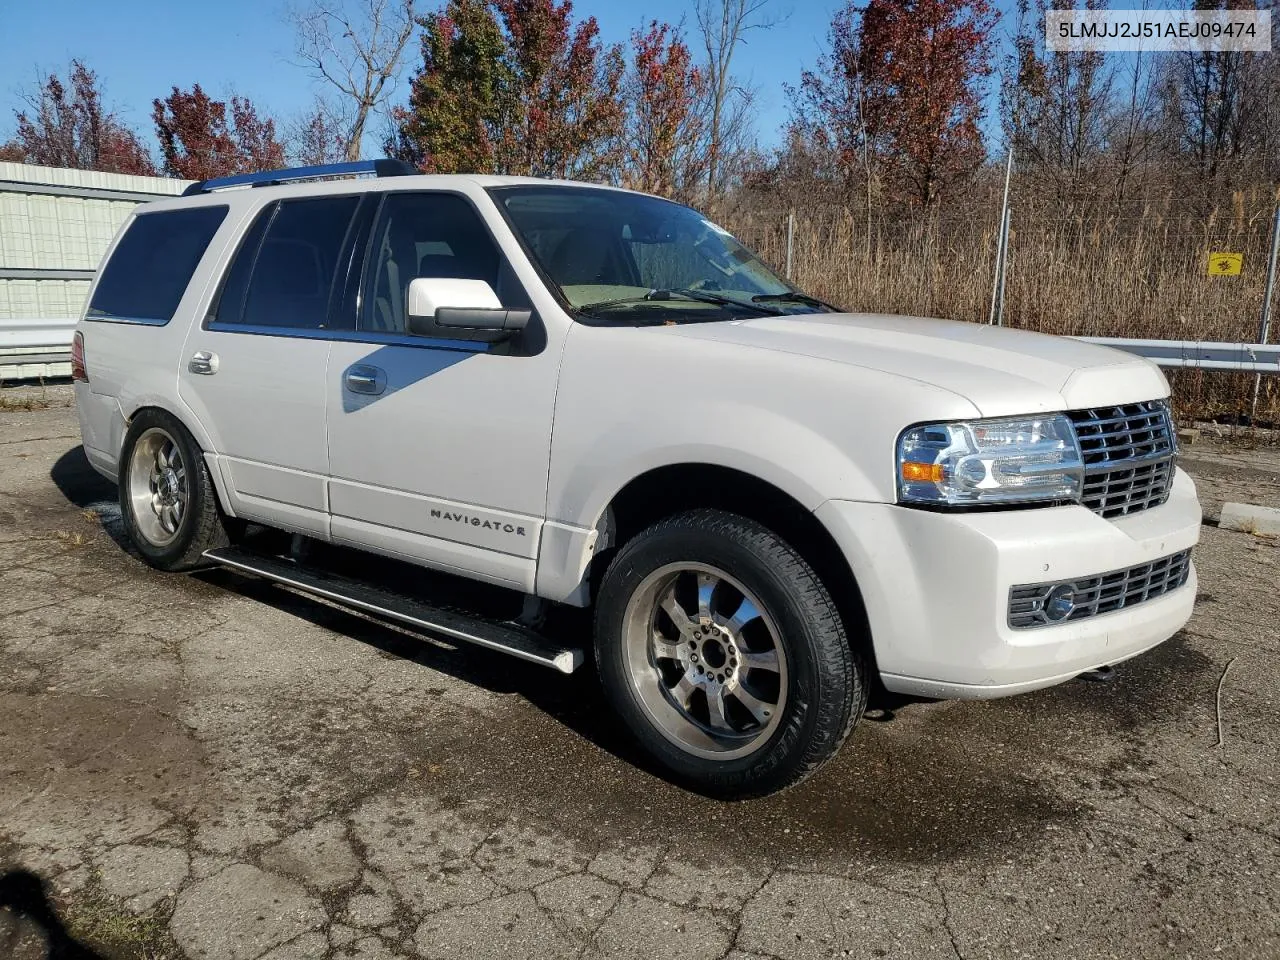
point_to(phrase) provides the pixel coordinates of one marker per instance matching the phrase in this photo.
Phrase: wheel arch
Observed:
(674, 488)
(191, 424)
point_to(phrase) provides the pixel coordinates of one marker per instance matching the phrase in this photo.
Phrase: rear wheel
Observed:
(725, 655)
(167, 499)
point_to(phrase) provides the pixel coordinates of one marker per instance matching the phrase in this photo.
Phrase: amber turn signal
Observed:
(922, 472)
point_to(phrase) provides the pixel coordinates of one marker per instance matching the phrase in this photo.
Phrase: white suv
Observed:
(592, 397)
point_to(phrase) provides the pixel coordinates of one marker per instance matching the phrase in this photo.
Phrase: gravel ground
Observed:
(215, 768)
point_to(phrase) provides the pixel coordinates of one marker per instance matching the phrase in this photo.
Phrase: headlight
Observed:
(980, 462)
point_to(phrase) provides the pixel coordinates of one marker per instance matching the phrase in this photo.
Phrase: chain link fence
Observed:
(1137, 268)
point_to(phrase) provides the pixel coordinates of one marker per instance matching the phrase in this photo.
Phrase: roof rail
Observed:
(379, 168)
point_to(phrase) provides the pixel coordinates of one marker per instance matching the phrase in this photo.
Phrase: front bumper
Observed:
(936, 589)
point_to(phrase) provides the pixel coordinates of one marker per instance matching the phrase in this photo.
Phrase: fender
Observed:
(631, 400)
(777, 451)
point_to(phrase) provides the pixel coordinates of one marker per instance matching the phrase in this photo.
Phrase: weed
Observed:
(97, 921)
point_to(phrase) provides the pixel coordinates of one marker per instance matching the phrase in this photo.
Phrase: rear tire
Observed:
(167, 499)
(725, 655)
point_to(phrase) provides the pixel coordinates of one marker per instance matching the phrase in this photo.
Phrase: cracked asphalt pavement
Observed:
(211, 767)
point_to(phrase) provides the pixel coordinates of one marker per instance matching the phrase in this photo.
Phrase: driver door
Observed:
(439, 448)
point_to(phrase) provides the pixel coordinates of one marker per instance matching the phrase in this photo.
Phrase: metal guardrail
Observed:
(37, 335)
(30, 349)
(1205, 355)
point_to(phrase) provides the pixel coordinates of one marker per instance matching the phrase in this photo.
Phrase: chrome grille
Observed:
(1128, 456)
(1104, 593)
(1114, 493)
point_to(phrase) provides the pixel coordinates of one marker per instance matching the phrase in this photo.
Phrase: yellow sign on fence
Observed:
(1225, 264)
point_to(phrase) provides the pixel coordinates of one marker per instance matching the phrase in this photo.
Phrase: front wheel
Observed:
(725, 655)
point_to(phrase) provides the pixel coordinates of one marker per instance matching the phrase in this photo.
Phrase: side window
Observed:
(429, 235)
(229, 305)
(283, 273)
(152, 264)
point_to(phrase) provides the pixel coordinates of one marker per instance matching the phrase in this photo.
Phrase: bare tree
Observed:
(357, 46)
(317, 135)
(1211, 109)
(723, 24)
(1057, 106)
(1134, 134)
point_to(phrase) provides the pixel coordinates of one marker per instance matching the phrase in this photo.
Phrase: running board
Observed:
(504, 637)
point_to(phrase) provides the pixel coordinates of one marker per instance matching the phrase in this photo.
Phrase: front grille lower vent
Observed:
(1104, 593)
(1128, 456)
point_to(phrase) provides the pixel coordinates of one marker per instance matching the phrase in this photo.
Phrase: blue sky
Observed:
(142, 48)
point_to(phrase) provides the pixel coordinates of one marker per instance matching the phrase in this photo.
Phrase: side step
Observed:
(456, 625)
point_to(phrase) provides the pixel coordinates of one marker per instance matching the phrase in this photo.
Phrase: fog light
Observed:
(1060, 602)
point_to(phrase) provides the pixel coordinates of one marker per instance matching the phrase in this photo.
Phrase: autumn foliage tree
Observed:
(901, 90)
(666, 141)
(567, 85)
(66, 125)
(926, 63)
(513, 86)
(198, 139)
(461, 97)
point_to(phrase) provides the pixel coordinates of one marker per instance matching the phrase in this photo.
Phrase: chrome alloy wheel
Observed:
(705, 660)
(159, 489)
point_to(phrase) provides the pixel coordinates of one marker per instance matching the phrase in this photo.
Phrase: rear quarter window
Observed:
(152, 264)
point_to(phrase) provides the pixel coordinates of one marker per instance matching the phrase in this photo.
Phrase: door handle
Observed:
(363, 378)
(203, 362)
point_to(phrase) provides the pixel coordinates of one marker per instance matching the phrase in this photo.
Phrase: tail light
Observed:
(78, 371)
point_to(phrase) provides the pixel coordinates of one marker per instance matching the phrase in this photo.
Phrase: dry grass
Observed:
(25, 402)
(1136, 270)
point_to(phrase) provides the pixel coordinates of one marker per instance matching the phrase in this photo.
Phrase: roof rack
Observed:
(379, 168)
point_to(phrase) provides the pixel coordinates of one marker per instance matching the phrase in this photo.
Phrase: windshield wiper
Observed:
(794, 296)
(699, 296)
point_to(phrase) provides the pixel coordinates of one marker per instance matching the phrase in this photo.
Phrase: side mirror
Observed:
(443, 307)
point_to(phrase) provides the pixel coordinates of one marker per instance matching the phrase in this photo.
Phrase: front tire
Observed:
(167, 499)
(725, 655)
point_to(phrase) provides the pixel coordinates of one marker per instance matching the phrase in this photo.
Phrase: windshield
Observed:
(619, 255)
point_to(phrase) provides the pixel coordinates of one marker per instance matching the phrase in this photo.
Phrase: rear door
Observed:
(439, 449)
(254, 371)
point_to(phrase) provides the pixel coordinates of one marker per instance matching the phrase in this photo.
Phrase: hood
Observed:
(1000, 371)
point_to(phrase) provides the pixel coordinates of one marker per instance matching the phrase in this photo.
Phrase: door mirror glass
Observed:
(439, 305)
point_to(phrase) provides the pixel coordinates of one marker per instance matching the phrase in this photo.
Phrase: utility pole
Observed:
(1002, 250)
(791, 236)
(1264, 326)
